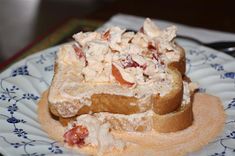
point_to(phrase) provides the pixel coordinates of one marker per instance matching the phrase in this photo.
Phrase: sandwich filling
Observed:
(115, 62)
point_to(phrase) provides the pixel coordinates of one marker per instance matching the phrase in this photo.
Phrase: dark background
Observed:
(23, 20)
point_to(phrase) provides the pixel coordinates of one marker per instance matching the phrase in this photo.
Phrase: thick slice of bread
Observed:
(120, 104)
(145, 121)
(176, 120)
(181, 64)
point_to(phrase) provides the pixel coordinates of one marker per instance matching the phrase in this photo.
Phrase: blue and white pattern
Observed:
(22, 84)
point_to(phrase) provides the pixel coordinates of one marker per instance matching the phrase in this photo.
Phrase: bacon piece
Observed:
(76, 136)
(118, 76)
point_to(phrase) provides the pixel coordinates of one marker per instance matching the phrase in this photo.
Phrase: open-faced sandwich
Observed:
(120, 92)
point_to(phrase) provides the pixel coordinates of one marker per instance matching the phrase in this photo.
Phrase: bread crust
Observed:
(174, 121)
(181, 64)
(172, 100)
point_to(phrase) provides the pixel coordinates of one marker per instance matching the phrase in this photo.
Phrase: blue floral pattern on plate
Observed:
(22, 84)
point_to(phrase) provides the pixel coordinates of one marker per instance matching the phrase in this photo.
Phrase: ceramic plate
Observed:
(21, 86)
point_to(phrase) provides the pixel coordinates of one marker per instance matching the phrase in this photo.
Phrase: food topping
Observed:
(116, 62)
(120, 78)
(122, 57)
(76, 135)
(88, 130)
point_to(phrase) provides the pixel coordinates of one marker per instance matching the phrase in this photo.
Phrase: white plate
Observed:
(22, 84)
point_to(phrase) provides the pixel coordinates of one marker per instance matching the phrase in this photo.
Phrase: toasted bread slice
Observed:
(177, 120)
(120, 104)
(143, 121)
